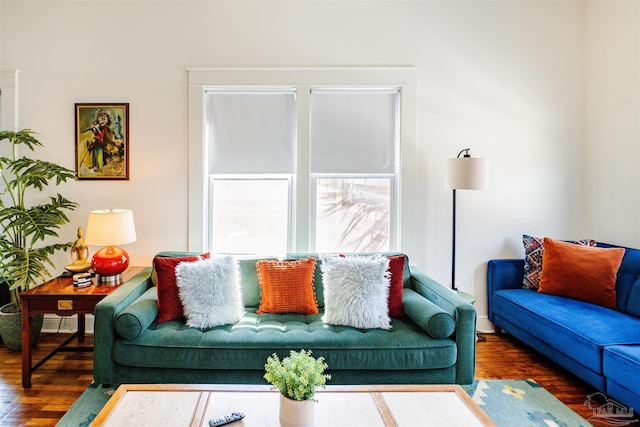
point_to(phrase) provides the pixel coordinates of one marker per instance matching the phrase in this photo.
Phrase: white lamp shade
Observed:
(110, 227)
(467, 173)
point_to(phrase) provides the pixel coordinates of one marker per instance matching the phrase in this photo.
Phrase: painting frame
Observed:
(102, 141)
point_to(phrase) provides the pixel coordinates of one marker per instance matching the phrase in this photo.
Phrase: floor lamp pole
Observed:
(453, 245)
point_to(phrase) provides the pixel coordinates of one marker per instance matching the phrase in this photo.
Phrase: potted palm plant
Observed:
(26, 226)
(296, 377)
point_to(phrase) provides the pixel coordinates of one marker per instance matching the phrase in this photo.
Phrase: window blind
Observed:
(251, 131)
(353, 130)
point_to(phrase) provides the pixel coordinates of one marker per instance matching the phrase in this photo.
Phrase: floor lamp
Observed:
(464, 173)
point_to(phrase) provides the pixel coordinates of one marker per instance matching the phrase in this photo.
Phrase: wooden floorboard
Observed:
(60, 381)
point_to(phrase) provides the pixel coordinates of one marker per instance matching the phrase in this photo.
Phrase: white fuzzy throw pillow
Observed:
(356, 291)
(210, 291)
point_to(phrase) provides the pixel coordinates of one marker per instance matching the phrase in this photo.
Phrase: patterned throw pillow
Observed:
(356, 292)
(169, 306)
(533, 252)
(287, 286)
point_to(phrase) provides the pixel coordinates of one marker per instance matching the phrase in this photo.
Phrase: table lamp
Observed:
(464, 173)
(108, 228)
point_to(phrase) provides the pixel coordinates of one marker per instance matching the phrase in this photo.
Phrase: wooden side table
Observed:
(59, 296)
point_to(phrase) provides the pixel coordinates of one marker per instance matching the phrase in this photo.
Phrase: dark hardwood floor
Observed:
(60, 381)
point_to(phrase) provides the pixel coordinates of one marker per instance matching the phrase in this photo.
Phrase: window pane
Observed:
(250, 215)
(353, 214)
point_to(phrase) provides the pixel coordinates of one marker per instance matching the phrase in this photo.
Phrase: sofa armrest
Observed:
(503, 274)
(464, 315)
(104, 323)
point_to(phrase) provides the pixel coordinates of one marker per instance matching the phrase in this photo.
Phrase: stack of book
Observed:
(81, 280)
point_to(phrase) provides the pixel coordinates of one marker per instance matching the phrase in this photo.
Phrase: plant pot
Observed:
(11, 327)
(296, 413)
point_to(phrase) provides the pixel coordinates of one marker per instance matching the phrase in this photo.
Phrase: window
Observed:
(297, 159)
(354, 141)
(250, 132)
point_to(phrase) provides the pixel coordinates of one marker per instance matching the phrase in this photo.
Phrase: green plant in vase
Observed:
(26, 226)
(296, 377)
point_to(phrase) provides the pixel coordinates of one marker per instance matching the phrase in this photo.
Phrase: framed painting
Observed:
(102, 141)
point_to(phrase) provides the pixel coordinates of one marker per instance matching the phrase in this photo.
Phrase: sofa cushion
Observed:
(248, 343)
(210, 293)
(622, 365)
(136, 318)
(533, 253)
(249, 280)
(580, 272)
(575, 328)
(430, 317)
(627, 283)
(287, 286)
(356, 291)
(164, 270)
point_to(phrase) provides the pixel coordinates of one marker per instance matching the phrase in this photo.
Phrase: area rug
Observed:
(509, 403)
(516, 403)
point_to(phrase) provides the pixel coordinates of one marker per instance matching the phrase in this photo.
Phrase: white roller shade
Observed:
(251, 131)
(353, 131)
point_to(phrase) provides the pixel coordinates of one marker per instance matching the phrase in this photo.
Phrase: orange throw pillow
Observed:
(580, 272)
(287, 286)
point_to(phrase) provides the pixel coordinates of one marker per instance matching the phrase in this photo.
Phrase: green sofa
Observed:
(130, 347)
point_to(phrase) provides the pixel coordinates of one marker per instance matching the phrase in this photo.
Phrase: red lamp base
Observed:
(109, 263)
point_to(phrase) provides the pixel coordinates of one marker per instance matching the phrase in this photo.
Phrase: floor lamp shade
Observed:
(108, 228)
(467, 173)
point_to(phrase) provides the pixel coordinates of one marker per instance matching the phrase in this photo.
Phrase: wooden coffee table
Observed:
(194, 405)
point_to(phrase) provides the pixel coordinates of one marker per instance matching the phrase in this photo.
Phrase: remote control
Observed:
(215, 422)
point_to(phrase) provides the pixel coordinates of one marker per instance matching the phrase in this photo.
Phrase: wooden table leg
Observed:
(81, 327)
(26, 345)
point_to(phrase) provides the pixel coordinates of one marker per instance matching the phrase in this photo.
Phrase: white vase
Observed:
(296, 413)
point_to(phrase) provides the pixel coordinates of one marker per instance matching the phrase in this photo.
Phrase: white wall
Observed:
(612, 122)
(505, 78)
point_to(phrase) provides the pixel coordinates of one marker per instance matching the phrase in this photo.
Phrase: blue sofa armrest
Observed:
(104, 324)
(464, 315)
(503, 274)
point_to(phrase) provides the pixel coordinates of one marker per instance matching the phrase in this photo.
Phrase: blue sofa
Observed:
(434, 343)
(597, 344)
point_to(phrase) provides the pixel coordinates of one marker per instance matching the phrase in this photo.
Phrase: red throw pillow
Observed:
(287, 286)
(169, 305)
(580, 272)
(396, 268)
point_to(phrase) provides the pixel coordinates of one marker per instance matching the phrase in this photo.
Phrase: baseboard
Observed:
(53, 323)
(483, 324)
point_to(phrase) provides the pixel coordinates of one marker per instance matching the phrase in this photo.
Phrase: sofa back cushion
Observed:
(627, 281)
(319, 288)
(250, 283)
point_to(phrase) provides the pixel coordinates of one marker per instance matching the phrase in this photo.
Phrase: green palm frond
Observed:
(27, 229)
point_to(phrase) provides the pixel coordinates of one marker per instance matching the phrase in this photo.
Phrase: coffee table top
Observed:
(385, 405)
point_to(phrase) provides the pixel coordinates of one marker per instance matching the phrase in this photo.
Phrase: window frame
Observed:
(303, 79)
